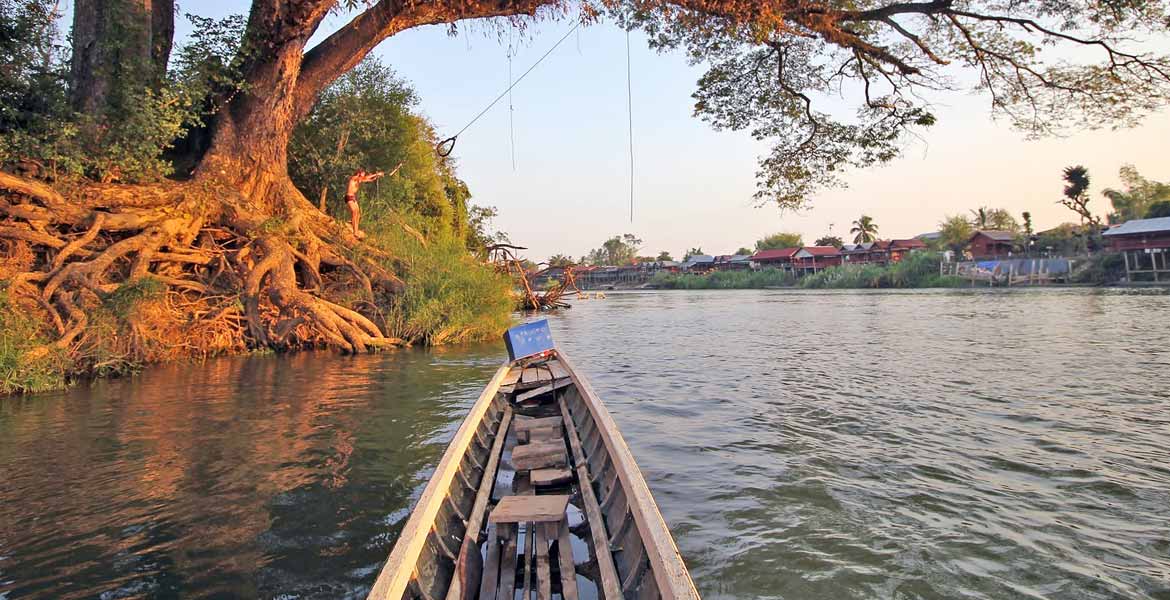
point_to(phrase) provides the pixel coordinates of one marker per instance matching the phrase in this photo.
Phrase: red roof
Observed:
(774, 254)
(881, 245)
(821, 250)
(908, 244)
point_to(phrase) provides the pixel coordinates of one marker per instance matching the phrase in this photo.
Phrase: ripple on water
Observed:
(836, 445)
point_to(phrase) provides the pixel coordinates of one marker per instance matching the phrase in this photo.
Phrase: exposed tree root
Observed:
(231, 275)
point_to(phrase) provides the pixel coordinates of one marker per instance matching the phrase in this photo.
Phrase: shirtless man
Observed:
(351, 191)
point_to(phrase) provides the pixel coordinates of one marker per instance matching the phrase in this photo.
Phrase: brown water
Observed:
(931, 444)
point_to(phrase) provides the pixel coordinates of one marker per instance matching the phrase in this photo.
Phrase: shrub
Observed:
(26, 363)
(723, 280)
(450, 296)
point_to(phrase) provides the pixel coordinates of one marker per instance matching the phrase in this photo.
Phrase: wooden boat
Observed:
(537, 493)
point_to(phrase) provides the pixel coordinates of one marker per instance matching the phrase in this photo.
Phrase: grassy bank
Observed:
(917, 270)
(723, 280)
(449, 297)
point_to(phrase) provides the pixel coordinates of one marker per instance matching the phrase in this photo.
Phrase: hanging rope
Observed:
(511, 109)
(630, 116)
(445, 147)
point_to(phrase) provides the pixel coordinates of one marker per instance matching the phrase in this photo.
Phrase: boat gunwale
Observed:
(397, 572)
(670, 572)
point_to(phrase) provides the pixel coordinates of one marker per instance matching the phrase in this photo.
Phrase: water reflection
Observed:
(800, 445)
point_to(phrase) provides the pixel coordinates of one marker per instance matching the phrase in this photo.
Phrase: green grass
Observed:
(917, 270)
(21, 370)
(450, 296)
(723, 280)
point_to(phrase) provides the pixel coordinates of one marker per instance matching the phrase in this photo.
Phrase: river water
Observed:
(801, 445)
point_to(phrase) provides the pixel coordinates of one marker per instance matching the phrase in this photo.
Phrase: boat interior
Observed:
(546, 502)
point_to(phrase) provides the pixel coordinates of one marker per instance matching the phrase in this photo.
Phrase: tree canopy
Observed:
(780, 240)
(864, 230)
(1139, 195)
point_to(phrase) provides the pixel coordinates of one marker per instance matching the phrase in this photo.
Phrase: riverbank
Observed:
(447, 297)
(918, 270)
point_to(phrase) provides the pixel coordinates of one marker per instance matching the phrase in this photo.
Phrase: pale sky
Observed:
(569, 190)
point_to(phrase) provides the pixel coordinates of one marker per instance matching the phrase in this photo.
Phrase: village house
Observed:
(780, 258)
(811, 259)
(698, 263)
(1145, 245)
(991, 244)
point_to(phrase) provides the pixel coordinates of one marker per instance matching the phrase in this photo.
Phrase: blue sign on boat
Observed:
(528, 339)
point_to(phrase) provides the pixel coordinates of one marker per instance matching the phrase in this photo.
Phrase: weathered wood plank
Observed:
(530, 509)
(543, 572)
(395, 575)
(528, 548)
(491, 567)
(568, 565)
(539, 456)
(610, 587)
(669, 570)
(508, 563)
(526, 423)
(544, 389)
(470, 547)
(547, 477)
(541, 434)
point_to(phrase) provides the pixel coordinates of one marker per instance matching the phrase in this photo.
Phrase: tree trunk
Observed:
(118, 43)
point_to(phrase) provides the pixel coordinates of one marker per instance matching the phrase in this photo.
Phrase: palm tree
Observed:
(559, 260)
(865, 229)
(980, 217)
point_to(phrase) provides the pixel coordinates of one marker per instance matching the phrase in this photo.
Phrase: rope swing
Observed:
(445, 147)
(630, 117)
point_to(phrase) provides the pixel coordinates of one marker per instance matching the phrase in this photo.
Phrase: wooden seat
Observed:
(544, 522)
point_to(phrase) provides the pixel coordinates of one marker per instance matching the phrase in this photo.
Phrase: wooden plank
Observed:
(539, 456)
(541, 434)
(491, 567)
(568, 565)
(528, 537)
(530, 509)
(610, 588)
(670, 572)
(543, 572)
(508, 564)
(469, 550)
(544, 389)
(527, 423)
(512, 377)
(395, 575)
(547, 477)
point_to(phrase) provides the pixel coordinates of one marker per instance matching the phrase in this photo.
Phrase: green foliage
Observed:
(692, 252)
(1101, 269)
(559, 260)
(723, 280)
(954, 232)
(617, 250)
(450, 296)
(1158, 209)
(366, 120)
(916, 270)
(776, 241)
(744, 252)
(20, 371)
(122, 301)
(1138, 197)
(996, 219)
(864, 230)
(830, 240)
(124, 141)
(664, 256)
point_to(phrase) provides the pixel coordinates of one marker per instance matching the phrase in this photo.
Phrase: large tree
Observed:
(238, 225)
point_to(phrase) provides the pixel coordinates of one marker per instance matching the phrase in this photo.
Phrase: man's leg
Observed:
(354, 215)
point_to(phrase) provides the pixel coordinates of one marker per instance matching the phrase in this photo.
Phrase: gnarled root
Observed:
(228, 279)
